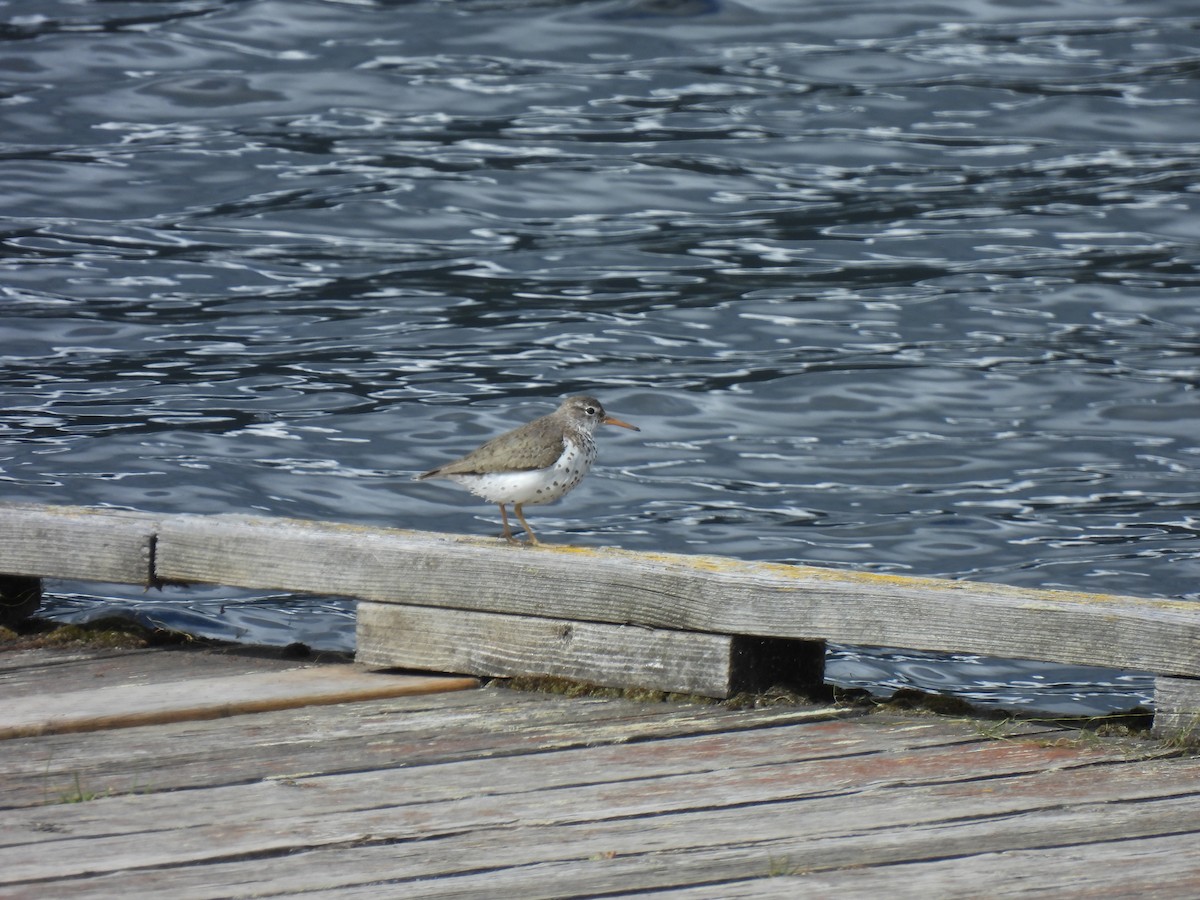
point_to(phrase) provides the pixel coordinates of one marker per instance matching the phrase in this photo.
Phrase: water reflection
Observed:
(321, 623)
(1013, 685)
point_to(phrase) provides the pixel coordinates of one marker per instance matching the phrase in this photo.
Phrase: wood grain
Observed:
(494, 644)
(1177, 709)
(689, 593)
(77, 543)
(411, 730)
(214, 697)
(497, 793)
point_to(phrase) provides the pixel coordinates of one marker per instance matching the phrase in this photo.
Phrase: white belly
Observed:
(536, 485)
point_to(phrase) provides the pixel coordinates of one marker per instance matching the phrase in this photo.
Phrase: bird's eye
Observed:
(590, 410)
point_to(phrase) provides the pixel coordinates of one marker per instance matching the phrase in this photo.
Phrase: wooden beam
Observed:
(1177, 709)
(495, 644)
(688, 593)
(606, 586)
(77, 543)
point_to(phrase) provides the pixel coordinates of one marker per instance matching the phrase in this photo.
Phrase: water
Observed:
(904, 289)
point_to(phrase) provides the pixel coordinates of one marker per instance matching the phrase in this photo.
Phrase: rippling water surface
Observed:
(887, 288)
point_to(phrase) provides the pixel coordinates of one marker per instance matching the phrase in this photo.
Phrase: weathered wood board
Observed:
(415, 730)
(42, 670)
(688, 593)
(106, 705)
(551, 829)
(493, 644)
(1160, 866)
(1177, 709)
(79, 543)
(499, 793)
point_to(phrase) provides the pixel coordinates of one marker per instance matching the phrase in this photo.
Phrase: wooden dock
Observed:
(222, 773)
(161, 773)
(696, 624)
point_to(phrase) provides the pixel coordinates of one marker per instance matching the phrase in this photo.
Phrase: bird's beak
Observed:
(610, 420)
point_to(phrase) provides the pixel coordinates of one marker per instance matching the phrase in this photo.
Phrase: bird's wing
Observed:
(497, 455)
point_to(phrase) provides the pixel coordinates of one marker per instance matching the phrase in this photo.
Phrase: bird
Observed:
(535, 463)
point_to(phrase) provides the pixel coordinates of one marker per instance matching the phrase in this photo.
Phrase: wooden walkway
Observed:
(705, 625)
(153, 773)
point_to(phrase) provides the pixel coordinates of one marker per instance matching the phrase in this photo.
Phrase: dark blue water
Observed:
(896, 288)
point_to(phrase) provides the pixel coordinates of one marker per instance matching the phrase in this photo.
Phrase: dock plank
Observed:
(494, 792)
(801, 752)
(35, 672)
(670, 832)
(599, 805)
(601, 862)
(127, 705)
(1163, 866)
(407, 731)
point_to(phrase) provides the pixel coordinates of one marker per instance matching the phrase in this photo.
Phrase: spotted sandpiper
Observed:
(535, 463)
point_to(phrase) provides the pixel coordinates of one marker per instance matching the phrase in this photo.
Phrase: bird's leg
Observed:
(508, 535)
(529, 531)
